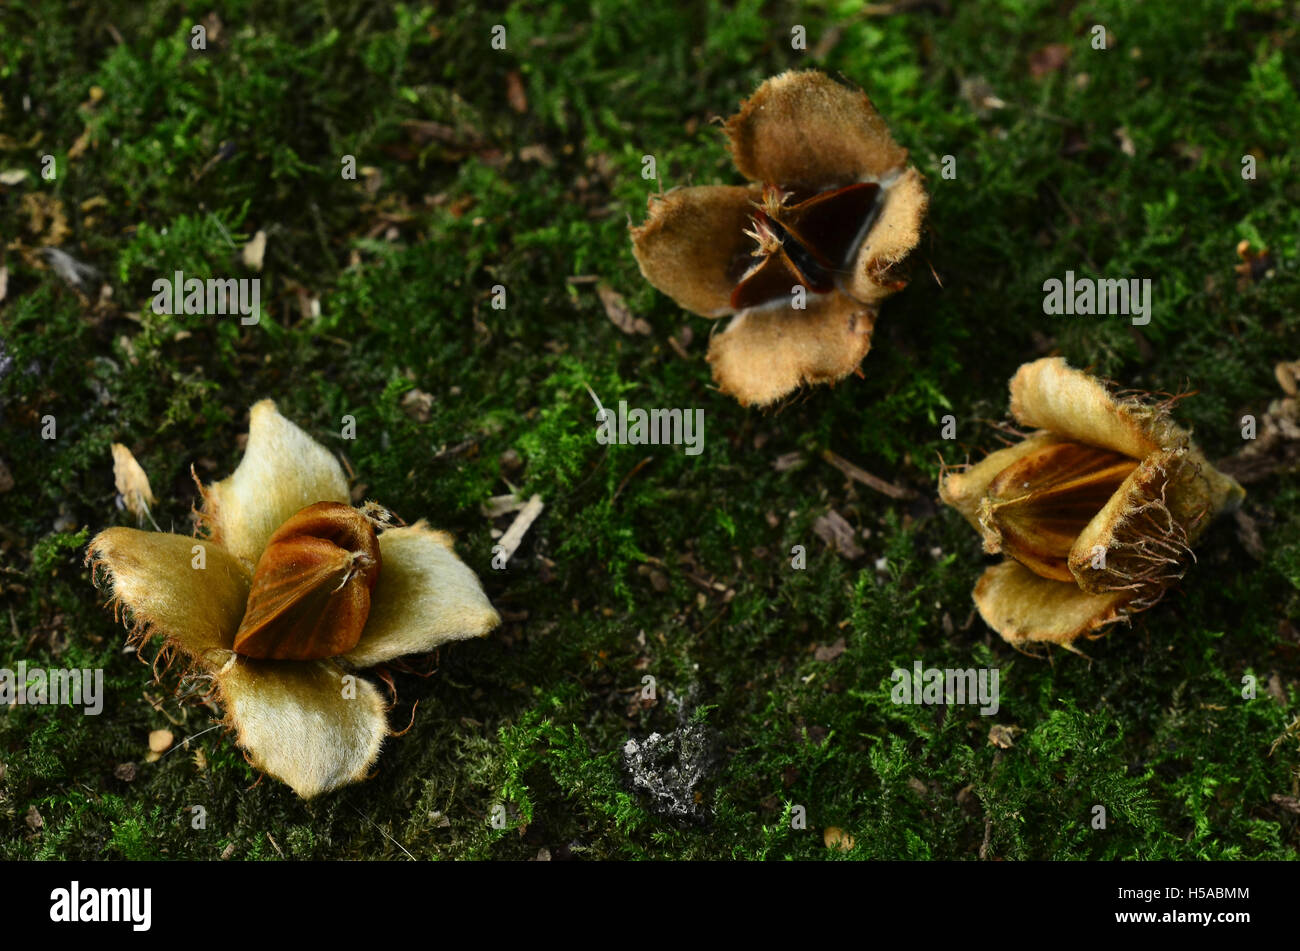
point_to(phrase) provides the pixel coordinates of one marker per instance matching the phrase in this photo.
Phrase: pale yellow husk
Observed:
(804, 129)
(800, 129)
(766, 353)
(1024, 608)
(690, 240)
(426, 597)
(283, 470)
(302, 722)
(312, 724)
(1137, 544)
(893, 235)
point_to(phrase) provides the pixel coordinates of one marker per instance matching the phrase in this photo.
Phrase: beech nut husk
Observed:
(285, 599)
(801, 257)
(1096, 511)
(310, 595)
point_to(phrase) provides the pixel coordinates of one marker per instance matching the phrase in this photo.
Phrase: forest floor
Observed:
(479, 167)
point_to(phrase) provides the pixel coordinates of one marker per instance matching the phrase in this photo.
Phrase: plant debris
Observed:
(835, 531)
(132, 483)
(670, 768)
(514, 535)
(616, 310)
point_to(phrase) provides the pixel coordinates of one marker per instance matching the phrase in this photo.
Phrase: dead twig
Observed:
(858, 474)
(514, 535)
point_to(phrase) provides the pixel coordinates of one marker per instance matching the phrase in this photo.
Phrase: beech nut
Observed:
(310, 595)
(1041, 504)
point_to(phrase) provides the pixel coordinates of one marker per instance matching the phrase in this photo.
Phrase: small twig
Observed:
(276, 844)
(382, 832)
(185, 742)
(514, 535)
(158, 704)
(628, 478)
(866, 478)
(455, 450)
(602, 414)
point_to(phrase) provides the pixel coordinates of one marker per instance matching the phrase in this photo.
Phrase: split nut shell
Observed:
(310, 595)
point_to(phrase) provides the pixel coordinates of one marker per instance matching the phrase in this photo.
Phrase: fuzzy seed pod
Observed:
(288, 594)
(1096, 511)
(802, 257)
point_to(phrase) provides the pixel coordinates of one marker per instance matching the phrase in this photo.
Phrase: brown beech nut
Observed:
(310, 595)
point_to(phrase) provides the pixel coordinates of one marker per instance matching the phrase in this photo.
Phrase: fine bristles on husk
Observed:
(1029, 500)
(832, 211)
(309, 722)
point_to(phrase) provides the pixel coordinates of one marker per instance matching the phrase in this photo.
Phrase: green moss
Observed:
(678, 568)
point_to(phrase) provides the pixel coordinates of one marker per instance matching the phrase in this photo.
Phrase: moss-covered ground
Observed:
(522, 168)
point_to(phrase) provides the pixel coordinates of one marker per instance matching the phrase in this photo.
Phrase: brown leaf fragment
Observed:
(125, 772)
(1003, 736)
(828, 652)
(789, 460)
(34, 820)
(213, 25)
(6, 477)
(838, 534)
(1248, 534)
(515, 94)
(1276, 446)
(1289, 803)
(132, 482)
(1273, 687)
(1048, 59)
(79, 146)
(1125, 141)
(424, 131)
(616, 310)
(537, 153)
(47, 218)
(418, 405)
(1286, 371)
